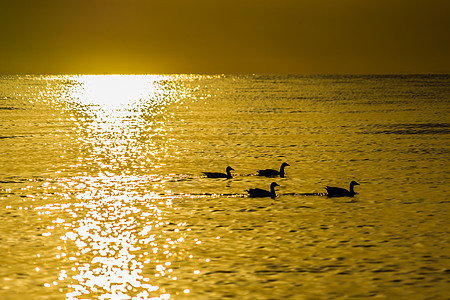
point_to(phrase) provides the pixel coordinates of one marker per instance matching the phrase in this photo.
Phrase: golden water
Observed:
(102, 194)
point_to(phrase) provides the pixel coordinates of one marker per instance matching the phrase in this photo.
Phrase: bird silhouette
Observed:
(272, 172)
(220, 175)
(260, 193)
(340, 192)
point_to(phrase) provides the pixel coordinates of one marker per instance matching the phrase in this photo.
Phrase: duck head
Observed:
(352, 184)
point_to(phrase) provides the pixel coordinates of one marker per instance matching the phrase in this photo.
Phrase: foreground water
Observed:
(102, 194)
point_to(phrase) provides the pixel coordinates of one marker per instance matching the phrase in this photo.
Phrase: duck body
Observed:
(273, 172)
(226, 175)
(340, 192)
(260, 193)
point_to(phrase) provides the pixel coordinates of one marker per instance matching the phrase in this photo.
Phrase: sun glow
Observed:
(115, 90)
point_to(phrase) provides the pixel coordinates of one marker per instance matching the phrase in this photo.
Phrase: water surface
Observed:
(102, 194)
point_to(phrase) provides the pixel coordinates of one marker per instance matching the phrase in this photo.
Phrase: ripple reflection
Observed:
(117, 238)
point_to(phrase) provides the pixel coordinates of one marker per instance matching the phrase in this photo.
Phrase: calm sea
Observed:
(102, 194)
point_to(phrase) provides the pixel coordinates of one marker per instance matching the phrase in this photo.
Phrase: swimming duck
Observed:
(260, 193)
(340, 192)
(220, 175)
(272, 172)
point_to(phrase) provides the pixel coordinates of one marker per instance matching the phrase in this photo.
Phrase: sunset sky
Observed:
(224, 36)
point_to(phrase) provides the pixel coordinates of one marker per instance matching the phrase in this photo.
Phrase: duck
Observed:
(340, 192)
(220, 175)
(272, 172)
(260, 193)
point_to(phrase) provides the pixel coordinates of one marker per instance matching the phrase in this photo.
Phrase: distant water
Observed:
(102, 194)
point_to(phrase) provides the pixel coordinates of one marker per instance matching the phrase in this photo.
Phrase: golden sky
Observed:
(224, 36)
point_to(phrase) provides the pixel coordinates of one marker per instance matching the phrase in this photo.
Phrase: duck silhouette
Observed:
(340, 192)
(260, 193)
(272, 172)
(220, 175)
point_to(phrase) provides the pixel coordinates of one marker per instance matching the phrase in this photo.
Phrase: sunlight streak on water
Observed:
(125, 118)
(116, 231)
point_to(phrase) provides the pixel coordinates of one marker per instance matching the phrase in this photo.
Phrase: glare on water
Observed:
(111, 221)
(120, 221)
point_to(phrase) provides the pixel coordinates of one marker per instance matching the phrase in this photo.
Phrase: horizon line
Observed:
(229, 74)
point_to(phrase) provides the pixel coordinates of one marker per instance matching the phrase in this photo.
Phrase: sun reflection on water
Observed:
(117, 233)
(117, 239)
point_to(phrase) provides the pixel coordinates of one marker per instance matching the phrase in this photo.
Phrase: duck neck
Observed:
(352, 191)
(272, 192)
(229, 174)
(282, 171)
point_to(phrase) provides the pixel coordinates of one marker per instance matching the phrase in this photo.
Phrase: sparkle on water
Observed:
(116, 238)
